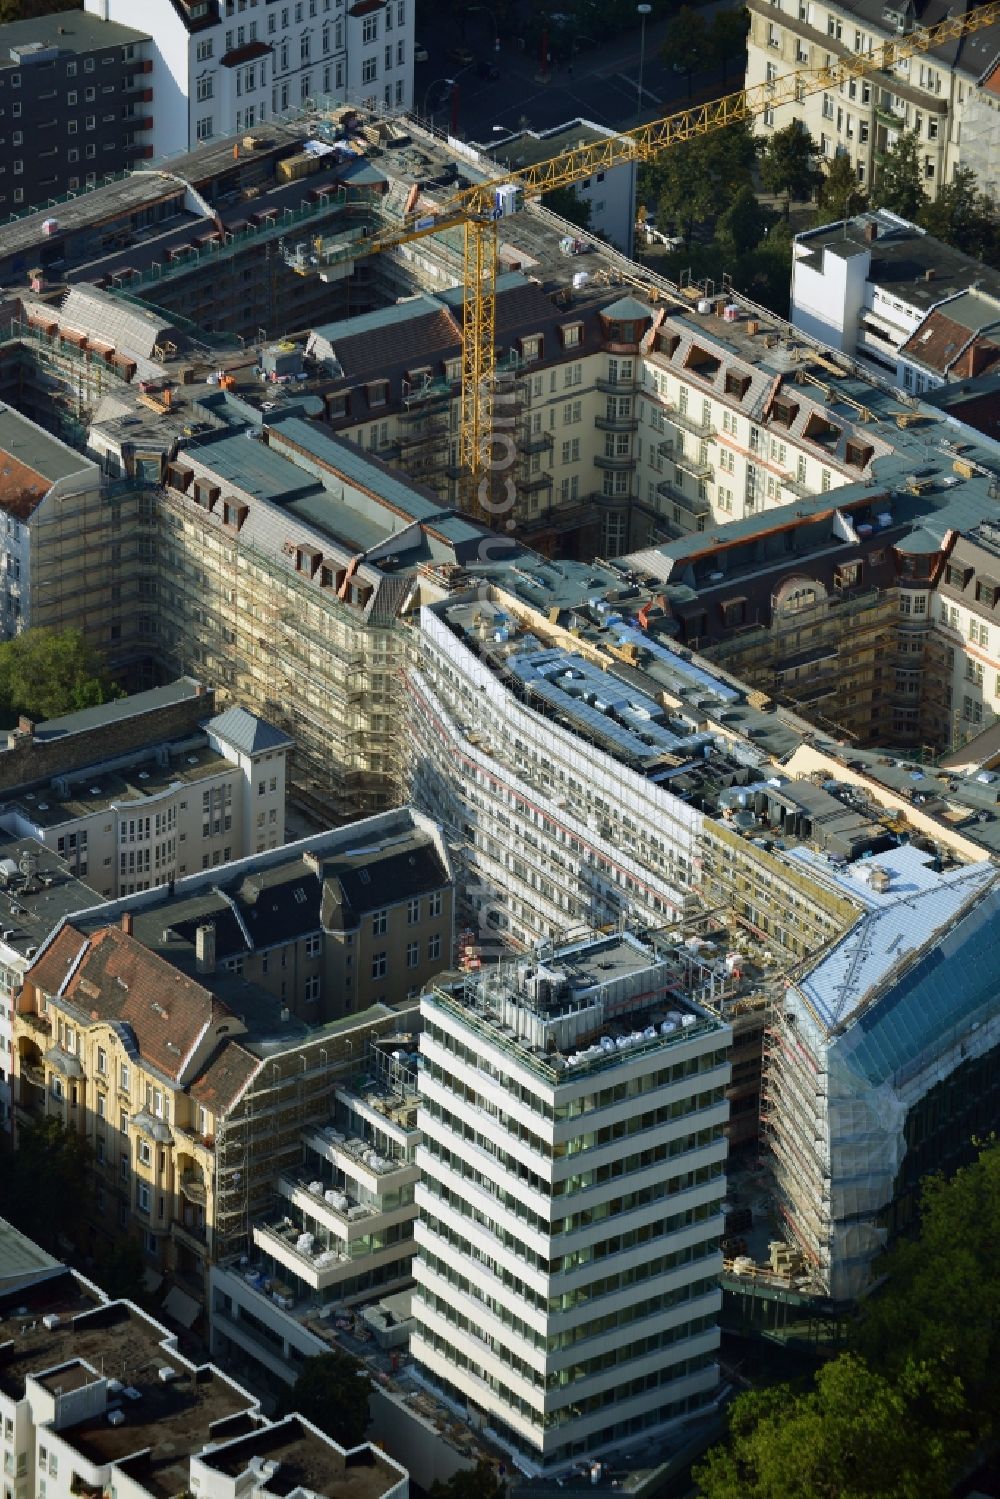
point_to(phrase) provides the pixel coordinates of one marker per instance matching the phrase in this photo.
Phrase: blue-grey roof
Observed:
(247, 733)
(943, 996)
(250, 465)
(105, 714)
(894, 926)
(628, 309)
(454, 296)
(382, 317)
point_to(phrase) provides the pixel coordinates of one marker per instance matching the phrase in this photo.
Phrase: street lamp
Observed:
(644, 11)
(486, 10)
(450, 82)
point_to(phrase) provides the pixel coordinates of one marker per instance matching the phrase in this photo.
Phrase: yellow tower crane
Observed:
(476, 209)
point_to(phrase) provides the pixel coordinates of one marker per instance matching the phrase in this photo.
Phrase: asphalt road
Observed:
(602, 84)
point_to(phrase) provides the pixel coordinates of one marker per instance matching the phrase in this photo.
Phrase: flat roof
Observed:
(118, 710)
(306, 1461)
(37, 449)
(29, 911)
(21, 1256)
(73, 31)
(902, 255)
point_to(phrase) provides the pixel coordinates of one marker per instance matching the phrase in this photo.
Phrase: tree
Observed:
(963, 216)
(744, 224)
(898, 182)
(727, 38)
(788, 164)
(686, 43)
(121, 1270)
(692, 181)
(568, 205)
(30, 10)
(47, 1152)
(941, 1295)
(479, 1482)
(45, 672)
(840, 195)
(332, 1392)
(854, 1436)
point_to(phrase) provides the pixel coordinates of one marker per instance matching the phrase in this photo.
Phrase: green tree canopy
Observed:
(789, 164)
(744, 223)
(29, 10)
(47, 1152)
(568, 205)
(963, 216)
(899, 179)
(693, 181)
(686, 43)
(332, 1392)
(479, 1482)
(855, 1436)
(46, 672)
(840, 194)
(941, 1296)
(121, 1270)
(727, 37)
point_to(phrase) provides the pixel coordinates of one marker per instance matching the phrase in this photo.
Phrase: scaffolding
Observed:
(261, 1138)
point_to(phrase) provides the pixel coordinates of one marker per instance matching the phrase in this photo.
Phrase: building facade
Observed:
(927, 95)
(192, 1034)
(580, 1313)
(226, 67)
(76, 99)
(98, 1393)
(147, 789)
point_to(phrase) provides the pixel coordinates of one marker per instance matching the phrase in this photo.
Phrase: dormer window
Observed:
(378, 392)
(531, 348)
(571, 335)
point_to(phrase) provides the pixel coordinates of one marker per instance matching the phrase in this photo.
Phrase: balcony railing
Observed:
(193, 1187)
(616, 423)
(622, 385)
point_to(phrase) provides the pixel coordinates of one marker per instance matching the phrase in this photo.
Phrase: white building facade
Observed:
(927, 95)
(222, 67)
(570, 1203)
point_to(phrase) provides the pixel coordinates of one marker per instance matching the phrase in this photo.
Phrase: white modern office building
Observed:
(221, 67)
(572, 1177)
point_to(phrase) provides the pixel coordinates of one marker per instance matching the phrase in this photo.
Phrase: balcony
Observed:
(535, 442)
(616, 423)
(623, 385)
(535, 482)
(617, 462)
(33, 1073)
(690, 503)
(687, 422)
(37, 1023)
(193, 1187)
(889, 117)
(695, 466)
(193, 1237)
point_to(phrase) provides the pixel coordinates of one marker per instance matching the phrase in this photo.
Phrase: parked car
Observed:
(460, 54)
(419, 52)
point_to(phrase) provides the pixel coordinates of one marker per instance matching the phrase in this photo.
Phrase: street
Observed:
(601, 83)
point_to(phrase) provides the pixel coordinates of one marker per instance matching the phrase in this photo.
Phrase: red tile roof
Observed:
(226, 1078)
(120, 980)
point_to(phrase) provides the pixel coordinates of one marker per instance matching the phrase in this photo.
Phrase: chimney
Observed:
(25, 725)
(978, 357)
(871, 233)
(204, 947)
(127, 923)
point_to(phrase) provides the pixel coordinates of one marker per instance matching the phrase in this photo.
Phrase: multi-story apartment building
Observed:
(230, 65)
(928, 95)
(75, 105)
(194, 1034)
(572, 1178)
(97, 1393)
(881, 1061)
(146, 789)
(59, 567)
(38, 891)
(867, 286)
